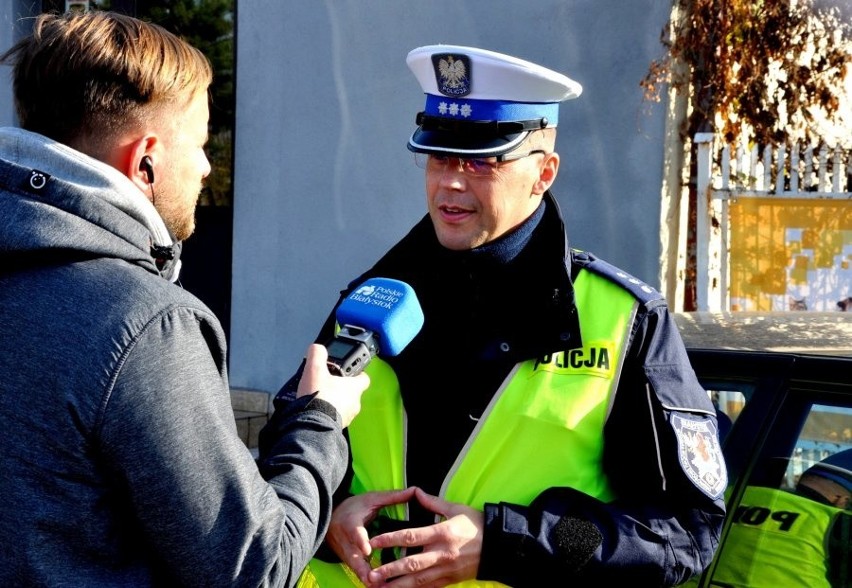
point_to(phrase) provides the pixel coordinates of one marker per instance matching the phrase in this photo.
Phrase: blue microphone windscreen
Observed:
(389, 308)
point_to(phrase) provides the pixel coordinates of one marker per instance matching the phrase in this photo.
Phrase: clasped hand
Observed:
(450, 551)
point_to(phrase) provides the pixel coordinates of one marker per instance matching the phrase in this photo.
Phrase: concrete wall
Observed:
(324, 183)
(14, 24)
(325, 104)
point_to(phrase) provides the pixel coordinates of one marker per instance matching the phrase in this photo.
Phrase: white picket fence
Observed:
(778, 171)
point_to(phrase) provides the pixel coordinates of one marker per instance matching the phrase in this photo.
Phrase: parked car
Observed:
(782, 384)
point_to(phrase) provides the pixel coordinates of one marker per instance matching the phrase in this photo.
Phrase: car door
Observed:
(787, 412)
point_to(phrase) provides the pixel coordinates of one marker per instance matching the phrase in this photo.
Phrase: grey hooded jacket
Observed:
(120, 463)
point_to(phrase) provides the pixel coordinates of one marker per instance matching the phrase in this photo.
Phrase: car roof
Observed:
(801, 332)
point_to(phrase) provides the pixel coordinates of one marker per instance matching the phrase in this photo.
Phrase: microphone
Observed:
(382, 315)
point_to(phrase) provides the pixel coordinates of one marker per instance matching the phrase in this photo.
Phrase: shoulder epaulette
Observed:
(642, 291)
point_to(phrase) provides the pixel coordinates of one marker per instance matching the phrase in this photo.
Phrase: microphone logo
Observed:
(381, 313)
(380, 296)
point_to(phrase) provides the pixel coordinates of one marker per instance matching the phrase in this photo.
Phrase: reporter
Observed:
(120, 455)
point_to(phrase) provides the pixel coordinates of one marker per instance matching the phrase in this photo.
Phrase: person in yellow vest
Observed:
(545, 425)
(801, 538)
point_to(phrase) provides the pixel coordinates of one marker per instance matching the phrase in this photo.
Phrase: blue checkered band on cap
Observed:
(486, 110)
(481, 103)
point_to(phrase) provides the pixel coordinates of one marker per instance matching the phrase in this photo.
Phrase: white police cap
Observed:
(480, 103)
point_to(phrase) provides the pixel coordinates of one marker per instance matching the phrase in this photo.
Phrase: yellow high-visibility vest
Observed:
(543, 428)
(776, 537)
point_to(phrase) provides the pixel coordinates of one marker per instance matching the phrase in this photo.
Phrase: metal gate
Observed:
(774, 227)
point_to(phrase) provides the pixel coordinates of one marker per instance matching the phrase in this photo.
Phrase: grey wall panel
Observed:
(324, 183)
(15, 23)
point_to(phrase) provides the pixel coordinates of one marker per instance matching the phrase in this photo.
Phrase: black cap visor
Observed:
(470, 138)
(442, 142)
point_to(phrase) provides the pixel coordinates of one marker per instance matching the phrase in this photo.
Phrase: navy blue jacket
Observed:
(512, 300)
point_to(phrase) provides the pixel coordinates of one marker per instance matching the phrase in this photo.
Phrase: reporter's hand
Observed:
(342, 392)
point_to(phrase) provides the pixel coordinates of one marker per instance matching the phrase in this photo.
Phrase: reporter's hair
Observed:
(82, 78)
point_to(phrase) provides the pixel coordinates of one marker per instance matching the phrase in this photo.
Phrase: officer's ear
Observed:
(547, 173)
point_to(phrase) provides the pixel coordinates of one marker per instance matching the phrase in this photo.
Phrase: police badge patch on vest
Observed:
(700, 453)
(597, 358)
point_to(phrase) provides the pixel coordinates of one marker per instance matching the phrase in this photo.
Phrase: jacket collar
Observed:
(531, 289)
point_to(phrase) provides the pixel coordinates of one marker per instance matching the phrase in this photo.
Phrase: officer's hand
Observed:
(343, 392)
(451, 548)
(347, 533)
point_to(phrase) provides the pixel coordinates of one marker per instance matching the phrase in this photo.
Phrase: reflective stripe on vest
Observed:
(559, 402)
(776, 537)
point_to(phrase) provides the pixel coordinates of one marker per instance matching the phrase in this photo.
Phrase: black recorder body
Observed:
(351, 350)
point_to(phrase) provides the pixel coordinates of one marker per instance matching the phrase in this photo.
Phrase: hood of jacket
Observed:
(58, 204)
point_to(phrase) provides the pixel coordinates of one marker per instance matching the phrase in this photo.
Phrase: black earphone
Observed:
(148, 166)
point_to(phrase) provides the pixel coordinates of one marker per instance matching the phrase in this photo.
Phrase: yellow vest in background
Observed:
(777, 539)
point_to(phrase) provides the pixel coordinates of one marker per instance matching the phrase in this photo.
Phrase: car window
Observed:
(827, 430)
(789, 523)
(729, 399)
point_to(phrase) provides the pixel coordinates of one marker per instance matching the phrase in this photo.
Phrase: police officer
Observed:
(804, 537)
(546, 422)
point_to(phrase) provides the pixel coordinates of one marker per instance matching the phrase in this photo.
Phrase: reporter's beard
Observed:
(178, 215)
(181, 230)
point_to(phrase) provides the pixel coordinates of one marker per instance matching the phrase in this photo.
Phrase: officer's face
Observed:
(469, 211)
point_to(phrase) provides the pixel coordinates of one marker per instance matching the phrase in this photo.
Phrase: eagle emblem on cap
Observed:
(452, 73)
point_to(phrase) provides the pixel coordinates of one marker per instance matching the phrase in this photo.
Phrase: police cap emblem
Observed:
(452, 74)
